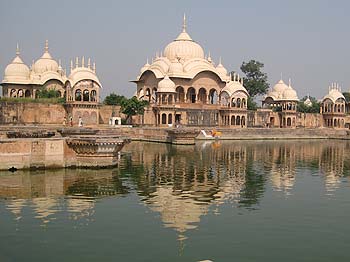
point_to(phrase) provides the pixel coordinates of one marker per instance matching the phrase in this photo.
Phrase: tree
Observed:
(133, 106)
(255, 81)
(314, 108)
(347, 96)
(47, 93)
(114, 99)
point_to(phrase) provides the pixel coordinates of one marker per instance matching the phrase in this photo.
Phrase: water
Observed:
(223, 201)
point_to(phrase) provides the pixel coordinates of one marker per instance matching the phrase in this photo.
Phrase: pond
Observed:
(220, 201)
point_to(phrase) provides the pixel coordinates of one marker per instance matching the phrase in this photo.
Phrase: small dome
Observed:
(176, 68)
(334, 93)
(221, 69)
(290, 94)
(46, 62)
(82, 73)
(308, 102)
(17, 70)
(273, 94)
(166, 85)
(280, 86)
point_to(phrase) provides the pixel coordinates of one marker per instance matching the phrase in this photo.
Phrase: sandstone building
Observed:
(185, 87)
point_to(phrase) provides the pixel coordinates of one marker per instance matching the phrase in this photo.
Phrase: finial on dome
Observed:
(89, 63)
(147, 61)
(83, 61)
(220, 60)
(94, 67)
(76, 62)
(209, 57)
(71, 65)
(290, 82)
(184, 24)
(17, 50)
(46, 45)
(59, 63)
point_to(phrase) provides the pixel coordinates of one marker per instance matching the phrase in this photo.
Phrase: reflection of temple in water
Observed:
(43, 192)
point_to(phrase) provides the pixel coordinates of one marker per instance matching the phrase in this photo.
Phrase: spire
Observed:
(83, 61)
(220, 60)
(46, 45)
(209, 58)
(290, 82)
(89, 63)
(281, 76)
(59, 63)
(147, 61)
(184, 24)
(76, 62)
(94, 68)
(17, 50)
(71, 65)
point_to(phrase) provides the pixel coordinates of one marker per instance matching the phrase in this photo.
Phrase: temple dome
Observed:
(280, 86)
(176, 68)
(16, 70)
(334, 93)
(290, 94)
(221, 69)
(82, 73)
(183, 47)
(166, 85)
(45, 62)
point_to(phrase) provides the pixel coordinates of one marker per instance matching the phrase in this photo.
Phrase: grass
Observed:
(54, 100)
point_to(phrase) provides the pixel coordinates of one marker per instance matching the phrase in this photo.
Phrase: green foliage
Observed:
(47, 93)
(251, 104)
(55, 100)
(114, 99)
(347, 96)
(255, 81)
(133, 106)
(315, 108)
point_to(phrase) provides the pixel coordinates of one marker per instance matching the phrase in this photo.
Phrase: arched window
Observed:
(164, 119)
(224, 99)
(233, 104)
(244, 103)
(20, 93)
(27, 93)
(86, 95)
(191, 95)
(238, 120)
(233, 120)
(289, 122)
(180, 93)
(154, 95)
(170, 119)
(170, 99)
(213, 97)
(148, 95)
(238, 102)
(78, 96)
(202, 95)
(13, 93)
(93, 96)
(243, 121)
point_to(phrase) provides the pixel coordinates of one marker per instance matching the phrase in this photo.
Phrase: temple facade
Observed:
(80, 89)
(185, 87)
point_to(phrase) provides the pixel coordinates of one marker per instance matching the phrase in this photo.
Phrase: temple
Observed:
(185, 87)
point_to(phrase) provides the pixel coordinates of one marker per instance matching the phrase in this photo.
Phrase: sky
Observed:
(305, 40)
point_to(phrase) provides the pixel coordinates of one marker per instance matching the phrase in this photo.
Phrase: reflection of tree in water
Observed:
(95, 186)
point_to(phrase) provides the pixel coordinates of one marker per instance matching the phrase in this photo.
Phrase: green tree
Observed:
(47, 93)
(255, 81)
(251, 104)
(314, 108)
(133, 106)
(114, 99)
(347, 96)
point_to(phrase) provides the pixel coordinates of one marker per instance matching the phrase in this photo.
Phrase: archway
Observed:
(213, 97)
(93, 95)
(202, 95)
(170, 119)
(86, 95)
(238, 101)
(289, 122)
(13, 93)
(191, 95)
(163, 119)
(238, 120)
(180, 94)
(27, 93)
(233, 120)
(78, 96)
(243, 121)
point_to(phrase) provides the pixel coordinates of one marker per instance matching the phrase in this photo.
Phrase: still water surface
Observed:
(223, 201)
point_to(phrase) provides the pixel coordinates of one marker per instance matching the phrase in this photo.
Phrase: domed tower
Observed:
(333, 107)
(283, 99)
(16, 78)
(83, 92)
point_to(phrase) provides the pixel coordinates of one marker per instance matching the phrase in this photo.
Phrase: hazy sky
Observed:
(307, 40)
